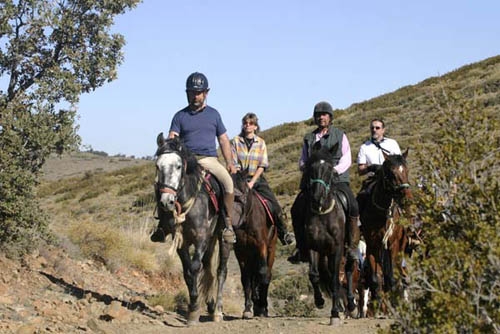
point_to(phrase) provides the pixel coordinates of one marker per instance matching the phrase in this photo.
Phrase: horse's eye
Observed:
(179, 167)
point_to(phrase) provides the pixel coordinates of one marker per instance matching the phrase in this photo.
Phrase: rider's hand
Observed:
(231, 169)
(250, 184)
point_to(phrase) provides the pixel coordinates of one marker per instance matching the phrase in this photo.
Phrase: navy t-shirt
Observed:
(199, 130)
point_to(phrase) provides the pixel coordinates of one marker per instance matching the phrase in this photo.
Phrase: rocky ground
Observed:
(49, 292)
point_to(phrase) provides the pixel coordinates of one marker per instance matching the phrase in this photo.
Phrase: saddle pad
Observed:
(265, 203)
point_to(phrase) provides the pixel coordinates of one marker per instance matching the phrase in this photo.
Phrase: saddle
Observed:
(239, 206)
(342, 198)
(213, 188)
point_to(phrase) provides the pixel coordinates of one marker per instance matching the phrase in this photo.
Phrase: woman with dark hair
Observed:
(249, 153)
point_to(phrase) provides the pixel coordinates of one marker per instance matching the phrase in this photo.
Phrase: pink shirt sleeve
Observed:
(345, 160)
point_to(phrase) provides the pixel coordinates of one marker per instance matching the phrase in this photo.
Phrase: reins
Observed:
(180, 210)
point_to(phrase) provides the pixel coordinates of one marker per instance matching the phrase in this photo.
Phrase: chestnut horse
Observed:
(385, 238)
(255, 247)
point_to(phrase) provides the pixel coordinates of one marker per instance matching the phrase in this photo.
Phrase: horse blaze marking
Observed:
(401, 169)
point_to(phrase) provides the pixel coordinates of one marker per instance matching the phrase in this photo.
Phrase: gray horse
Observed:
(187, 211)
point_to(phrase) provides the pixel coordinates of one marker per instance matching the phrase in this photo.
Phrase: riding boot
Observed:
(285, 237)
(353, 236)
(228, 233)
(297, 211)
(158, 235)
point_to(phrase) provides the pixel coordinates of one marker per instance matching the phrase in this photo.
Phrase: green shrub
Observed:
(456, 286)
(290, 292)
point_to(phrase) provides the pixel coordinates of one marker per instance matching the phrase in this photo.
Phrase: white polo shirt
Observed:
(370, 154)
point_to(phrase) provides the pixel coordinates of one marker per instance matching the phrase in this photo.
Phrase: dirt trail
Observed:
(49, 292)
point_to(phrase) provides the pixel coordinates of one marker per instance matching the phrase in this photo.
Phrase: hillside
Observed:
(407, 114)
(102, 274)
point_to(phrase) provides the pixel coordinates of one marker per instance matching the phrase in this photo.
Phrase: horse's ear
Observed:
(405, 153)
(386, 156)
(160, 140)
(176, 141)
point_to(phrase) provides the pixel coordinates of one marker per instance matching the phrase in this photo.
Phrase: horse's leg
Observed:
(387, 268)
(261, 282)
(224, 251)
(265, 286)
(349, 270)
(246, 282)
(372, 279)
(363, 291)
(315, 279)
(208, 277)
(191, 268)
(334, 269)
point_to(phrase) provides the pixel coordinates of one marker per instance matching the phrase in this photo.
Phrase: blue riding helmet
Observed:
(197, 82)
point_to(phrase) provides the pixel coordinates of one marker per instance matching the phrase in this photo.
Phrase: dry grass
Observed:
(104, 206)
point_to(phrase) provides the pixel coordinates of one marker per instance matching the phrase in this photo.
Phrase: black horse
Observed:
(255, 249)
(324, 226)
(385, 237)
(186, 210)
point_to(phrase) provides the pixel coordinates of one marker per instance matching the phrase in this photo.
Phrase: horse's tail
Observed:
(207, 284)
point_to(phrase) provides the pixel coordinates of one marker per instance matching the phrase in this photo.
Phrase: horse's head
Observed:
(395, 177)
(240, 183)
(170, 167)
(320, 174)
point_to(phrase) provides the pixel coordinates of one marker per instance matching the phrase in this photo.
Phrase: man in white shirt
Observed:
(370, 156)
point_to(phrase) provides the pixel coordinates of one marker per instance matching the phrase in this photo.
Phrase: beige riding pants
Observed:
(213, 165)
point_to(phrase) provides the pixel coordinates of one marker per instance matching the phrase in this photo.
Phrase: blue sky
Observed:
(276, 59)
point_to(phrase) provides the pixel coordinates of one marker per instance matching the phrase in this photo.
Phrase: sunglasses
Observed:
(375, 127)
(249, 123)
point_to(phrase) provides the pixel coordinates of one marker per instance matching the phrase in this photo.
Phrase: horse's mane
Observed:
(176, 145)
(395, 160)
(318, 155)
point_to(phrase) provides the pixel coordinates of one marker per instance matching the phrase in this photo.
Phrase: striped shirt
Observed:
(251, 159)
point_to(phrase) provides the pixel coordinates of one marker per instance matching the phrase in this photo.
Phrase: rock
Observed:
(115, 311)
(27, 329)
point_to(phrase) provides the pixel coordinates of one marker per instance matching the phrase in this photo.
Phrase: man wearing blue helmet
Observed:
(198, 125)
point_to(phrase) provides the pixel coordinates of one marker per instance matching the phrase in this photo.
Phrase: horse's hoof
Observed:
(193, 318)
(320, 303)
(335, 322)
(247, 315)
(217, 317)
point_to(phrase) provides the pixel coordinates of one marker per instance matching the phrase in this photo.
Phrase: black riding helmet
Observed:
(323, 107)
(197, 82)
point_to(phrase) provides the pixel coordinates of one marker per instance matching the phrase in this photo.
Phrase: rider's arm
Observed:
(362, 169)
(234, 154)
(225, 147)
(345, 159)
(255, 177)
(303, 156)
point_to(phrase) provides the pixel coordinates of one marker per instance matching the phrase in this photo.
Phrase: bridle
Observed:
(326, 185)
(395, 191)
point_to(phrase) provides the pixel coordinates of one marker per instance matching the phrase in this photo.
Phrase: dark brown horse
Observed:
(320, 213)
(186, 211)
(380, 214)
(255, 247)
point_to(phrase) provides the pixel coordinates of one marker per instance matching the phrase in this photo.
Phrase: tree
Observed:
(50, 53)
(455, 287)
